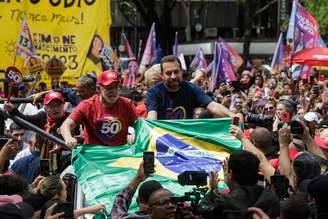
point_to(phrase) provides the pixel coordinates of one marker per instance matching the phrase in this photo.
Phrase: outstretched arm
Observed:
(219, 110)
(65, 131)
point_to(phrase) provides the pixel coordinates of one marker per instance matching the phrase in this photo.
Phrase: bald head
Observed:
(262, 138)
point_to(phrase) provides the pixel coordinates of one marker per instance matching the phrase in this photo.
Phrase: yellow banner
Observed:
(62, 28)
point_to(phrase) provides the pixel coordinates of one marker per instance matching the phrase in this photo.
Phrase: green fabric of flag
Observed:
(179, 145)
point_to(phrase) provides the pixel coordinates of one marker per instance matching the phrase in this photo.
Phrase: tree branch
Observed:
(259, 11)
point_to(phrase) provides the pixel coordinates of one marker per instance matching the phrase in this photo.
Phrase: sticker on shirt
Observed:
(176, 113)
(107, 128)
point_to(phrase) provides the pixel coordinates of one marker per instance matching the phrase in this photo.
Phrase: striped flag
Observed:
(150, 53)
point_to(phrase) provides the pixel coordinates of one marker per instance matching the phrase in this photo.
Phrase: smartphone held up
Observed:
(149, 162)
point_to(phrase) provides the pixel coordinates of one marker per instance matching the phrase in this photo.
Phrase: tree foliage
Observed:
(319, 10)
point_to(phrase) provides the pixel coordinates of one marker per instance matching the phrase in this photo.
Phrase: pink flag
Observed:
(150, 54)
(222, 68)
(226, 69)
(25, 47)
(199, 61)
(303, 29)
(127, 46)
(236, 60)
(130, 73)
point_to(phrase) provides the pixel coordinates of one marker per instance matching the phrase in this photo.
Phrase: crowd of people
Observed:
(283, 127)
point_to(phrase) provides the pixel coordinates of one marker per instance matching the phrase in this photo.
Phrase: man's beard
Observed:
(173, 85)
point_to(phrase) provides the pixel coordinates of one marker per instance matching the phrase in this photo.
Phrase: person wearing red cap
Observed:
(49, 120)
(106, 116)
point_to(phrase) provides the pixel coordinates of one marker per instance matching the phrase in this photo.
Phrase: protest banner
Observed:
(63, 29)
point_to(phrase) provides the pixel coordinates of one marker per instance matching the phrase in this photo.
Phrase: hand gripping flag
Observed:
(150, 53)
(179, 145)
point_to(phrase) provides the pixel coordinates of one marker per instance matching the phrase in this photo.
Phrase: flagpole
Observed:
(83, 66)
(139, 52)
(276, 51)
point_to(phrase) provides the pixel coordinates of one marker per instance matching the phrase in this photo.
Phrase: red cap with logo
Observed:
(108, 77)
(53, 96)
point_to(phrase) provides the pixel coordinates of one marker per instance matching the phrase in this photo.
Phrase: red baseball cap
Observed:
(108, 77)
(53, 96)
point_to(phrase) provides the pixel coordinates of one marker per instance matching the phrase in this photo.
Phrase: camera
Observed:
(258, 120)
(197, 178)
(67, 208)
(296, 128)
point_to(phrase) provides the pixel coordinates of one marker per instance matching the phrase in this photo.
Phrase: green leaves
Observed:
(319, 10)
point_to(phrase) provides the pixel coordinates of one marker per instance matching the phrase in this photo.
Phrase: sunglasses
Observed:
(269, 108)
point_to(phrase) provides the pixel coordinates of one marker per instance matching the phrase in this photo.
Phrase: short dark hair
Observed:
(146, 189)
(295, 207)
(170, 58)
(13, 126)
(244, 167)
(12, 184)
(89, 79)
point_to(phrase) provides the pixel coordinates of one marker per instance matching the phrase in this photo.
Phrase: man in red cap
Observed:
(106, 117)
(49, 120)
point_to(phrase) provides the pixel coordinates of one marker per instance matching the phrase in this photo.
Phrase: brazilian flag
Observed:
(179, 145)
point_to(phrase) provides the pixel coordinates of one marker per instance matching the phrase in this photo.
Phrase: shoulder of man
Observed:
(158, 87)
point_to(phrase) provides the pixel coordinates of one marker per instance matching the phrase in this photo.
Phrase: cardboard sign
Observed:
(13, 75)
(34, 64)
(55, 67)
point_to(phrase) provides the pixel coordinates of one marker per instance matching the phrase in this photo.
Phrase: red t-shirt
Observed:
(141, 110)
(102, 125)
